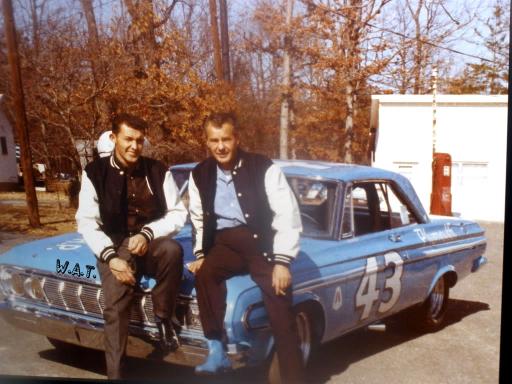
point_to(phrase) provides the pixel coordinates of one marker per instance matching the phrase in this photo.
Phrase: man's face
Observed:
(222, 143)
(128, 145)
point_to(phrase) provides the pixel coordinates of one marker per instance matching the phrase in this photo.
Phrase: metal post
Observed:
(20, 114)
(434, 108)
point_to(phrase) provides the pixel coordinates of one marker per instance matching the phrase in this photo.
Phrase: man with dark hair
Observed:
(128, 207)
(246, 220)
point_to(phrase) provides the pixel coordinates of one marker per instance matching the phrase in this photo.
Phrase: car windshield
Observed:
(316, 201)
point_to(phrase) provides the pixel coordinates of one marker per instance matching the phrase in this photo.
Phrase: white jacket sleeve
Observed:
(196, 216)
(175, 216)
(88, 219)
(286, 221)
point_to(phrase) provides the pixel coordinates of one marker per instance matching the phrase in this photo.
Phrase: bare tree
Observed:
(287, 76)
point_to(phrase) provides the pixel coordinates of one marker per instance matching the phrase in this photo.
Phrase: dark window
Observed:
(4, 145)
(373, 207)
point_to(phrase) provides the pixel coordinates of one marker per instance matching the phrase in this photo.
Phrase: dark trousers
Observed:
(164, 262)
(235, 252)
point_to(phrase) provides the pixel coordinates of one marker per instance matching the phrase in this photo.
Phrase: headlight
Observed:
(17, 284)
(34, 288)
(5, 281)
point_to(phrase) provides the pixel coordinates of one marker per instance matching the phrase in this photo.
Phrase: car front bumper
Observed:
(89, 333)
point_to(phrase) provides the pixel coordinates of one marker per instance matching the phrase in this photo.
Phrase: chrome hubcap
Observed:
(437, 299)
(304, 331)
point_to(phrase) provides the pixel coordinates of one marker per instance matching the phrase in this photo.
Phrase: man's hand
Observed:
(281, 279)
(122, 271)
(138, 245)
(195, 265)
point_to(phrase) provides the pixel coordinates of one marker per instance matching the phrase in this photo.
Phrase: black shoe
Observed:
(168, 339)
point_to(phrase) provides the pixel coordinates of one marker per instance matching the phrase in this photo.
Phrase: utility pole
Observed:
(434, 109)
(21, 117)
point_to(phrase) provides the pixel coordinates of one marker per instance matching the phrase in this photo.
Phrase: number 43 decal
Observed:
(367, 293)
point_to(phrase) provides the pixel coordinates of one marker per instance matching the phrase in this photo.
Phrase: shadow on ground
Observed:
(330, 359)
(334, 357)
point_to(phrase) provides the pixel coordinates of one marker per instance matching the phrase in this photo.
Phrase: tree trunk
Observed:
(214, 30)
(352, 53)
(286, 94)
(224, 38)
(418, 53)
(21, 116)
(35, 26)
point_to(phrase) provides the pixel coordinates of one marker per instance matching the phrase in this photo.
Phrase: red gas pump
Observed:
(441, 196)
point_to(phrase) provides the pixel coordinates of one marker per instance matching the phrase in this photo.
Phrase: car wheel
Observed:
(306, 339)
(432, 311)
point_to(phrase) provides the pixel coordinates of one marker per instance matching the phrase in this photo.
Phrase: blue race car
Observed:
(368, 251)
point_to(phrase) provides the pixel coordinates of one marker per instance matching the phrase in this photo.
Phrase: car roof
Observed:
(324, 170)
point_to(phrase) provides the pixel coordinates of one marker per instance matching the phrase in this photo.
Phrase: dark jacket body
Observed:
(249, 181)
(109, 181)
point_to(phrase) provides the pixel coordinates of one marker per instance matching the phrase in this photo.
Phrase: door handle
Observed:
(395, 237)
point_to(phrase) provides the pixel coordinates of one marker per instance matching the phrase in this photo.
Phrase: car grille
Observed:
(88, 299)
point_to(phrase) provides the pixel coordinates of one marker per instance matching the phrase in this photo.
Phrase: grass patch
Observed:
(55, 214)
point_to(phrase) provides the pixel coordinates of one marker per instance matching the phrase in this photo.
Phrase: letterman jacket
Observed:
(267, 202)
(102, 212)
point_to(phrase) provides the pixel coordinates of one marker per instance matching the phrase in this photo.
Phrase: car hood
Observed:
(68, 255)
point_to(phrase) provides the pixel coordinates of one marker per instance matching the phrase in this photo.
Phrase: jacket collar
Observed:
(239, 161)
(114, 163)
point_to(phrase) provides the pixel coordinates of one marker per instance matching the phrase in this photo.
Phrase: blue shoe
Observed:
(217, 360)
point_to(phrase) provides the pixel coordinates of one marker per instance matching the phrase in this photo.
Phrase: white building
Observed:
(8, 169)
(471, 128)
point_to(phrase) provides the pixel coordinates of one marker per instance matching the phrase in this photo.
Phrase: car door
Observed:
(375, 244)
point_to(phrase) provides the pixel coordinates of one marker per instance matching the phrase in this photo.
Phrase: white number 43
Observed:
(367, 293)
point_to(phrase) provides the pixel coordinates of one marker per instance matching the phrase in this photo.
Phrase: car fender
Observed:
(448, 270)
(303, 298)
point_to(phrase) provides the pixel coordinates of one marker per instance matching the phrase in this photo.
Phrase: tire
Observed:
(431, 313)
(307, 339)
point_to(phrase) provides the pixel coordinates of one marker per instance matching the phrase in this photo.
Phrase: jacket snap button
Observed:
(239, 194)
(255, 235)
(246, 215)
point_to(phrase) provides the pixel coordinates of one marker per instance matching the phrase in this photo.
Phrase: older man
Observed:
(128, 207)
(246, 220)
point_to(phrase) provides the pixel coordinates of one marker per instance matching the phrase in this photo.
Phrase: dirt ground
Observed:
(55, 213)
(465, 350)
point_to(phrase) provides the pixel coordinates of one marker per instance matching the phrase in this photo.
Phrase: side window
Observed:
(347, 228)
(362, 213)
(393, 212)
(373, 206)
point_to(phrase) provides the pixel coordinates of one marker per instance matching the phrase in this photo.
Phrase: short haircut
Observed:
(219, 118)
(129, 120)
